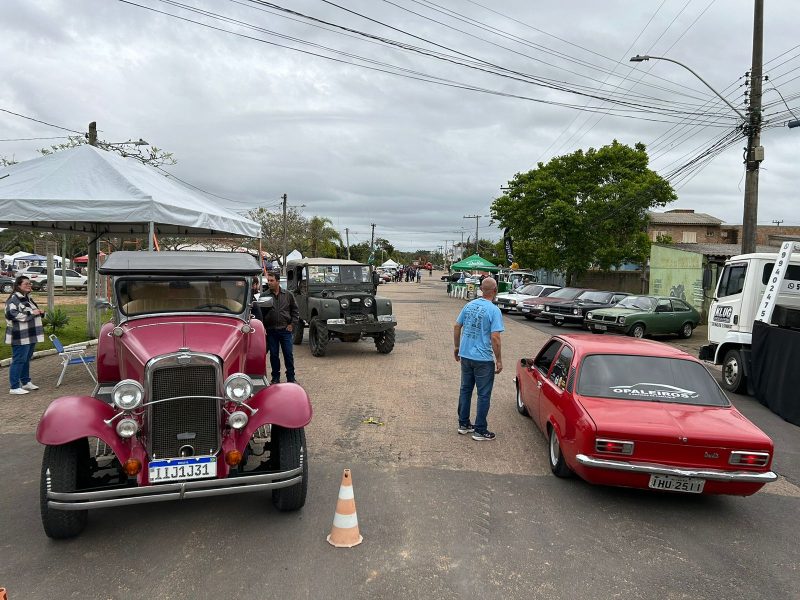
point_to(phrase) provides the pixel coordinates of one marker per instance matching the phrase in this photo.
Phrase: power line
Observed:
(59, 137)
(11, 112)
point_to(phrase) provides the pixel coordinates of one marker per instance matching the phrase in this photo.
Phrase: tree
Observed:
(321, 237)
(582, 210)
(272, 230)
(155, 157)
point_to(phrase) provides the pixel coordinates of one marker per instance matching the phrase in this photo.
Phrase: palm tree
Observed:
(322, 237)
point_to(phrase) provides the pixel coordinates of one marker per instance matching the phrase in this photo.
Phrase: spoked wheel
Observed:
(557, 463)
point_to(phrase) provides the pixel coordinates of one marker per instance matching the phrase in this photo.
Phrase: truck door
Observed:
(726, 311)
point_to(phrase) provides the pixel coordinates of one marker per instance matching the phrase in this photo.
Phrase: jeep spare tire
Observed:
(384, 341)
(318, 336)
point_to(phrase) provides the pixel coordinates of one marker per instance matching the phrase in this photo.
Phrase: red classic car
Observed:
(182, 408)
(641, 414)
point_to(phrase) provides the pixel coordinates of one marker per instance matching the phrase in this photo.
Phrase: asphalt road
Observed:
(442, 516)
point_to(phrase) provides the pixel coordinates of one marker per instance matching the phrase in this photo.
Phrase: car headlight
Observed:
(589, 315)
(546, 309)
(367, 302)
(513, 302)
(576, 311)
(127, 428)
(538, 306)
(238, 387)
(128, 394)
(621, 320)
(237, 419)
(344, 303)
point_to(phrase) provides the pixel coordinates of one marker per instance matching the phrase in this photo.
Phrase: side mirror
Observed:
(102, 304)
(526, 362)
(265, 302)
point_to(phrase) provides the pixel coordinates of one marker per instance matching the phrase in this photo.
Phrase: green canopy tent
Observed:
(474, 263)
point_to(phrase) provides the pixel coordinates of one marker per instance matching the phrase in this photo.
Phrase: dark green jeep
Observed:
(337, 299)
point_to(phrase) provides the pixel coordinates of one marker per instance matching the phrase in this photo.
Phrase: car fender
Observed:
(70, 418)
(283, 404)
(256, 349)
(107, 360)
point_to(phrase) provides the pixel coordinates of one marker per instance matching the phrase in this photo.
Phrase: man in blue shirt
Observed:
(476, 336)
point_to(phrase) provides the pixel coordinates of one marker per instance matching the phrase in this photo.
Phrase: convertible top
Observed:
(180, 263)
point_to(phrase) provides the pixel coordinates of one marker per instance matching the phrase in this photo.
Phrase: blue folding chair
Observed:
(74, 354)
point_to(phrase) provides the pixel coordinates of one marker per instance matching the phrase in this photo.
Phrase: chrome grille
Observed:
(192, 421)
(609, 318)
(560, 310)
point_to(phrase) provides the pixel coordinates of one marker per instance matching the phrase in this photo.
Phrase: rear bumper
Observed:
(172, 491)
(658, 469)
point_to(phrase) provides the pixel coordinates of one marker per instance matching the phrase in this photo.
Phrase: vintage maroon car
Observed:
(640, 414)
(533, 308)
(182, 408)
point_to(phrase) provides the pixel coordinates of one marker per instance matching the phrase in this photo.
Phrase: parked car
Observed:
(532, 307)
(75, 280)
(32, 270)
(640, 414)
(6, 285)
(573, 312)
(645, 315)
(182, 408)
(510, 301)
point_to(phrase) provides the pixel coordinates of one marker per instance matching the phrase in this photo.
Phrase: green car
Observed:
(644, 315)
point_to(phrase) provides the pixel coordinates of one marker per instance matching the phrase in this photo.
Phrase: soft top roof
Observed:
(180, 263)
(323, 261)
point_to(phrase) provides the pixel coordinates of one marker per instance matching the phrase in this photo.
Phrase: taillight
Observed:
(613, 446)
(749, 459)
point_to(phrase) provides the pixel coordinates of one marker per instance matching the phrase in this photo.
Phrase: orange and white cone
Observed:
(344, 533)
(3, 595)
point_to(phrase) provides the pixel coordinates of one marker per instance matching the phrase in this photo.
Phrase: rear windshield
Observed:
(216, 295)
(649, 379)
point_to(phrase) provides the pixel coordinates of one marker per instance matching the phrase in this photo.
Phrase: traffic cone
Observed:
(3, 595)
(344, 533)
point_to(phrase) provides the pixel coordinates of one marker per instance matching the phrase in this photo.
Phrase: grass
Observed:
(74, 332)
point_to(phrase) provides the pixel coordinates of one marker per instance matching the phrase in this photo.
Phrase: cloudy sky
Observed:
(409, 114)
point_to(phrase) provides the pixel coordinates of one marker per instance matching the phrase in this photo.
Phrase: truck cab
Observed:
(739, 294)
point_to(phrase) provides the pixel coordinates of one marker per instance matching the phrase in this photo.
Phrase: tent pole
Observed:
(91, 311)
(150, 237)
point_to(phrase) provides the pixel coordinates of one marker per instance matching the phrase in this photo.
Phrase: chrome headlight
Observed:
(128, 394)
(589, 315)
(127, 428)
(344, 303)
(538, 306)
(512, 302)
(546, 309)
(367, 302)
(238, 387)
(621, 320)
(576, 311)
(238, 419)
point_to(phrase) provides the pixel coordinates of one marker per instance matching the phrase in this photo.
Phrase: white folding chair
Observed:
(74, 354)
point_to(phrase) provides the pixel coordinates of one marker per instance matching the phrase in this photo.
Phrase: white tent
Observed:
(389, 264)
(294, 255)
(92, 191)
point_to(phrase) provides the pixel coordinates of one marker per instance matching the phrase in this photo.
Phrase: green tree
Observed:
(272, 230)
(582, 210)
(321, 237)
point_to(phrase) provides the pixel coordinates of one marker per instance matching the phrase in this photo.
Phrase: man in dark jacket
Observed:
(280, 321)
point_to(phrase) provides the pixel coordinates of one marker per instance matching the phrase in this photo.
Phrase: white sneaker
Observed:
(18, 391)
(30, 386)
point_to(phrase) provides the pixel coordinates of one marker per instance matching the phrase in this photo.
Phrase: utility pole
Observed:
(283, 264)
(755, 152)
(91, 265)
(372, 239)
(777, 222)
(347, 237)
(477, 220)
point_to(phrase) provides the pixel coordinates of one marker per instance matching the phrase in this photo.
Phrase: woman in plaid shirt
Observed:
(23, 330)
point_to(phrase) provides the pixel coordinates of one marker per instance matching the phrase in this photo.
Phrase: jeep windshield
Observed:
(140, 296)
(329, 274)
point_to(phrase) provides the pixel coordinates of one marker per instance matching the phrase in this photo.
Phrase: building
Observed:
(766, 235)
(685, 226)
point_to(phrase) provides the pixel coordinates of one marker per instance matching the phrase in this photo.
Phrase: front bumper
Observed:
(573, 319)
(613, 327)
(360, 327)
(173, 491)
(658, 469)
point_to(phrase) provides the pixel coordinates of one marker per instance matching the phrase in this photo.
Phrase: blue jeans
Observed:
(20, 371)
(280, 338)
(479, 374)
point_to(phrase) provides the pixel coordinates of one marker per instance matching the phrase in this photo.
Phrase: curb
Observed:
(42, 353)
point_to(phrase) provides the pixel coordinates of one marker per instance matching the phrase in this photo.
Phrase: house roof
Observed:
(682, 218)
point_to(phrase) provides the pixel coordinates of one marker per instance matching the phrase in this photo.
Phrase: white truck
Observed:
(750, 289)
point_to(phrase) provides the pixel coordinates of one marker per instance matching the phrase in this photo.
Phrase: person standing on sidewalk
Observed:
(280, 321)
(476, 337)
(23, 330)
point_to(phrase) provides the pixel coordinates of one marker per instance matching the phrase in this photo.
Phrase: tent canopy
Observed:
(86, 190)
(389, 264)
(474, 263)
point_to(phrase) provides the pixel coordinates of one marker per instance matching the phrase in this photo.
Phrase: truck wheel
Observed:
(384, 341)
(733, 378)
(289, 448)
(317, 337)
(297, 334)
(64, 463)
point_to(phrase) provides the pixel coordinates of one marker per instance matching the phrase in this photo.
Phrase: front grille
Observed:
(609, 318)
(192, 421)
(560, 310)
(355, 309)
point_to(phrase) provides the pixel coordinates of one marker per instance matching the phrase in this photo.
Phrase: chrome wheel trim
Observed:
(638, 331)
(731, 371)
(555, 449)
(519, 398)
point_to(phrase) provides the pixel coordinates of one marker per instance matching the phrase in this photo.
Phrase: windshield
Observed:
(213, 294)
(568, 293)
(595, 297)
(531, 290)
(645, 303)
(338, 274)
(649, 379)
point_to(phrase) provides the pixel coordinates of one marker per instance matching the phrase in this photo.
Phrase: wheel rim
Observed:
(687, 330)
(519, 398)
(638, 331)
(555, 449)
(731, 371)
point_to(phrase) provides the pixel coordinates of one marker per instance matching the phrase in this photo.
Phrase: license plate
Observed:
(523, 309)
(690, 485)
(558, 317)
(181, 469)
(601, 327)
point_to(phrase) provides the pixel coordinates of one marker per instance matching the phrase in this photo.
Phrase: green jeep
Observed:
(337, 299)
